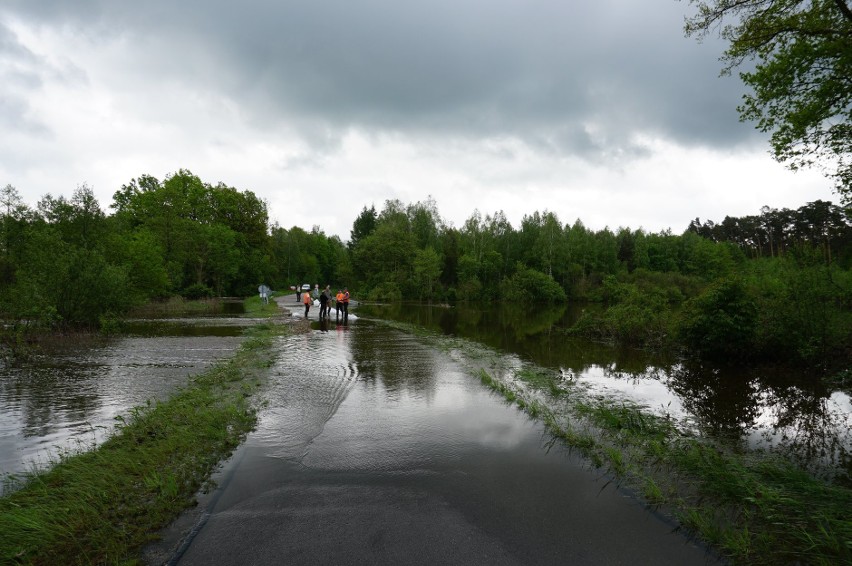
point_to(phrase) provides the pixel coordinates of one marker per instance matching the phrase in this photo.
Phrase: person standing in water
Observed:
(323, 299)
(306, 299)
(338, 304)
(345, 303)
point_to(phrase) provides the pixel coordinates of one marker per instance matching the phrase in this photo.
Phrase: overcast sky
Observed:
(594, 109)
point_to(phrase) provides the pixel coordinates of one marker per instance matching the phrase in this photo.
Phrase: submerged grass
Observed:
(101, 506)
(753, 508)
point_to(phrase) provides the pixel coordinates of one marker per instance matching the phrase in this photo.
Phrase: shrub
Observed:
(539, 287)
(197, 291)
(634, 317)
(721, 323)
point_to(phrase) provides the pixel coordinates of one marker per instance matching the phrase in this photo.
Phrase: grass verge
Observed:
(753, 508)
(101, 506)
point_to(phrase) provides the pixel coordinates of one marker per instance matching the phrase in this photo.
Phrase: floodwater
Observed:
(374, 448)
(767, 408)
(66, 396)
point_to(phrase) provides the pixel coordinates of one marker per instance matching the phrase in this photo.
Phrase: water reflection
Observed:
(756, 408)
(69, 392)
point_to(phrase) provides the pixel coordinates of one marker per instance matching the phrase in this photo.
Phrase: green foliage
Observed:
(387, 256)
(363, 226)
(635, 317)
(805, 308)
(67, 263)
(197, 291)
(801, 86)
(531, 286)
(388, 291)
(775, 232)
(427, 271)
(722, 322)
(469, 285)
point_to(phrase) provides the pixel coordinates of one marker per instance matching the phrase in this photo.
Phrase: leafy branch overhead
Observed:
(801, 81)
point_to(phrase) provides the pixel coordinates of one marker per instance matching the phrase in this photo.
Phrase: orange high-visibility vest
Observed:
(346, 297)
(340, 297)
(306, 298)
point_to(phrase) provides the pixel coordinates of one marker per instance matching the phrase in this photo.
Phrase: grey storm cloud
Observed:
(580, 77)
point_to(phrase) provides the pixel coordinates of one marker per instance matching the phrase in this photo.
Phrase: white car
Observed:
(306, 287)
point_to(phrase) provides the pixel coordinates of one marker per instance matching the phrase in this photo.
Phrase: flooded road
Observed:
(792, 413)
(375, 449)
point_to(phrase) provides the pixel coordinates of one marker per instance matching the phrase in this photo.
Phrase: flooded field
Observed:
(66, 395)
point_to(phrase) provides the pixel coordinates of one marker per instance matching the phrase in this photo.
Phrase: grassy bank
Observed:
(753, 508)
(101, 506)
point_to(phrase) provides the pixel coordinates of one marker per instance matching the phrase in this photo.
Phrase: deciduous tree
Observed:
(801, 82)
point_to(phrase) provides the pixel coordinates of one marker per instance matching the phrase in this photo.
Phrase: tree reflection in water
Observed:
(775, 409)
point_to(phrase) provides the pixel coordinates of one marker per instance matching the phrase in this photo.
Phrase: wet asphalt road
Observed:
(374, 449)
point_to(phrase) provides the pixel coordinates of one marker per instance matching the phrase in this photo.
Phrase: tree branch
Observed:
(844, 9)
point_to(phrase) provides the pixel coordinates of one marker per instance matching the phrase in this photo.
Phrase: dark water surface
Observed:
(790, 412)
(376, 449)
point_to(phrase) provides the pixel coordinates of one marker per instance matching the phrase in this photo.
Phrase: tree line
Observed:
(774, 285)
(65, 262)
(775, 232)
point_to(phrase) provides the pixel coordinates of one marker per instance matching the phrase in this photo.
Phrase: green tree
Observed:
(385, 258)
(14, 216)
(363, 226)
(425, 223)
(468, 278)
(427, 271)
(142, 256)
(802, 79)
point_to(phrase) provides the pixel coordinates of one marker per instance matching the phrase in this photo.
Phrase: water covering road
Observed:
(374, 449)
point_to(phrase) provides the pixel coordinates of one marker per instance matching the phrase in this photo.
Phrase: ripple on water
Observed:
(378, 400)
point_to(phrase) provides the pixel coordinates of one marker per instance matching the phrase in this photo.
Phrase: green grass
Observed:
(101, 506)
(257, 309)
(178, 306)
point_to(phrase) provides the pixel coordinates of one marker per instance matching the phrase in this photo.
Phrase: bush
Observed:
(721, 323)
(532, 284)
(197, 291)
(634, 317)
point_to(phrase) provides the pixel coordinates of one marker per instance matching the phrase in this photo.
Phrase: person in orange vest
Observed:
(338, 303)
(306, 298)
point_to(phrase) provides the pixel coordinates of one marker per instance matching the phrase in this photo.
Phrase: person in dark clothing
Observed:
(323, 299)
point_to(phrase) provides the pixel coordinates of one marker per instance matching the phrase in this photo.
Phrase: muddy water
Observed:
(752, 408)
(67, 394)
